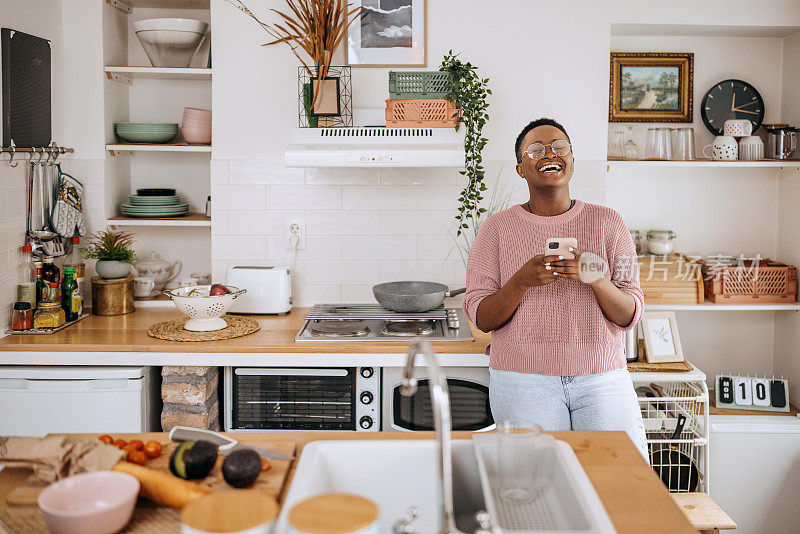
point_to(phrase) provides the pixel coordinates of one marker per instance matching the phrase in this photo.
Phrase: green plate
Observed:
(153, 201)
(176, 207)
(146, 124)
(143, 137)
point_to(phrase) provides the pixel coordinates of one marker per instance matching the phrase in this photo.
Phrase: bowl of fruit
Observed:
(205, 305)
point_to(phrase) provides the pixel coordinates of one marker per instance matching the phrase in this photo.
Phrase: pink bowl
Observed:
(100, 502)
(190, 123)
(197, 136)
(194, 112)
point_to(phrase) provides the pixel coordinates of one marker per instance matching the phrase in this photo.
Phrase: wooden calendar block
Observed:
(751, 393)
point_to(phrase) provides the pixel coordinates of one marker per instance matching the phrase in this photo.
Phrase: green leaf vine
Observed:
(468, 92)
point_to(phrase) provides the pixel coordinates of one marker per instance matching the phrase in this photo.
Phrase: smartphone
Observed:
(559, 246)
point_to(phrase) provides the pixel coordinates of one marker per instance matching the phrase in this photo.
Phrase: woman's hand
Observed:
(571, 269)
(537, 271)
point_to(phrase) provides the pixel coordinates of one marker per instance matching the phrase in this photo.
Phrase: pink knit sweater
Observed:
(559, 328)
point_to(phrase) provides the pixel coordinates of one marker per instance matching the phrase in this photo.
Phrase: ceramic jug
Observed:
(159, 270)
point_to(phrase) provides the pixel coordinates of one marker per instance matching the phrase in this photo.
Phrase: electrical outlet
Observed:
(295, 232)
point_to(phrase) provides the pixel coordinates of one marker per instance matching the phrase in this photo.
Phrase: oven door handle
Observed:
(250, 371)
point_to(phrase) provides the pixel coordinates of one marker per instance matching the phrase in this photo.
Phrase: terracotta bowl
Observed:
(100, 502)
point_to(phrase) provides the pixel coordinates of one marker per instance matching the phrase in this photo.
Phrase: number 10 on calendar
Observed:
(752, 393)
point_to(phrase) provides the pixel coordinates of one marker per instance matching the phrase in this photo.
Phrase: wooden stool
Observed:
(703, 513)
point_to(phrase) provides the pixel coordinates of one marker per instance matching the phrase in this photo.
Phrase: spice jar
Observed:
(661, 242)
(49, 315)
(22, 316)
(51, 293)
(636, 235)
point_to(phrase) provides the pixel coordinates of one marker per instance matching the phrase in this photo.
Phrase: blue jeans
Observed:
(605, 401)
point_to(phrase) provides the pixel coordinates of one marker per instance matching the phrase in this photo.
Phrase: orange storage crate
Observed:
(768, 282)
(420, 114)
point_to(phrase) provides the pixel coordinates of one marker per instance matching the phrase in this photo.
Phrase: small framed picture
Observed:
(328, 101)
(651, 87)
(387, 33)
(662, 343)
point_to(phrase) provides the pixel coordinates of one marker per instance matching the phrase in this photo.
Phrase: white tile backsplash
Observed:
(342, 223)
(263, 172)
(363, 226)
(379, 197)
(239, 197)
(304, 197)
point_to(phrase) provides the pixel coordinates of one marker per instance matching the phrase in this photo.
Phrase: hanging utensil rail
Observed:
(52, 151)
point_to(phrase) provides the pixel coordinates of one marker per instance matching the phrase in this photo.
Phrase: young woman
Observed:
(557, 356)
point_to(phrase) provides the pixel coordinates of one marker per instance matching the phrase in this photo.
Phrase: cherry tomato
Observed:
(265, 465)
(120, 443)
(137, 444)
(105, 438)
(152, 449)
(137, 457)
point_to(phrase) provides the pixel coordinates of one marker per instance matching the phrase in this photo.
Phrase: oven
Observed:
(469, 400)
(282, 398)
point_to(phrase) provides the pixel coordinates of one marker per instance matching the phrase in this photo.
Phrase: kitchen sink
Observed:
(395, 474)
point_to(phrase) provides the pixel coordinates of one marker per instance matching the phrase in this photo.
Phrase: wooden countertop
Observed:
(128, 333)
(634, 497)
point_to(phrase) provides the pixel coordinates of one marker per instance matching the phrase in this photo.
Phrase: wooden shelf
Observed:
(710, 306)
(190, 219)
(621, 163)
(131, 147)
(713, 410)
(128, 74)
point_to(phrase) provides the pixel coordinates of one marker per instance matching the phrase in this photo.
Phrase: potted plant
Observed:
(316, 27)
(113, 252)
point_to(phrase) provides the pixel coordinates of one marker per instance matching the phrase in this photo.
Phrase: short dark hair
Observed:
(543, 121)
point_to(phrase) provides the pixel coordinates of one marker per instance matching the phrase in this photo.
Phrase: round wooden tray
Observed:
(173, 330)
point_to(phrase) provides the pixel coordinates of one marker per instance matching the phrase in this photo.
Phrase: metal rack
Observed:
(52, 152)
(675, 457)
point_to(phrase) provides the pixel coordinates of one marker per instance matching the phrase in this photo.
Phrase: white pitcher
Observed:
(159, 270)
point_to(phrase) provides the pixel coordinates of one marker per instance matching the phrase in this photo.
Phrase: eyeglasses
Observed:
(560, 147)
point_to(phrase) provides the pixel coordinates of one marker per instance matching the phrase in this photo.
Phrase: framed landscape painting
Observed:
(651, 87)
(387, 33)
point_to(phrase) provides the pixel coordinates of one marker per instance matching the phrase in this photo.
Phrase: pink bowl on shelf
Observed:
(197, 136)
(196, 112)
(100, 502)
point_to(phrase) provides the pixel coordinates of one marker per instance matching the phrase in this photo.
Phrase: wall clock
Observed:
(731, 99)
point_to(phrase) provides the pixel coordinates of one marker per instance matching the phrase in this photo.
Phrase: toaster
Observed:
(269, 289)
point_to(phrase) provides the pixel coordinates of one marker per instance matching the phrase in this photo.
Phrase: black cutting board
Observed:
(26, 89)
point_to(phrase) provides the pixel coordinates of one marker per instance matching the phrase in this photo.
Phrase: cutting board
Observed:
(271, 481)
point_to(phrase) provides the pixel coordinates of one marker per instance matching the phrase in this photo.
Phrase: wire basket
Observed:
(420, 113)
(419, 85)
(680, 460)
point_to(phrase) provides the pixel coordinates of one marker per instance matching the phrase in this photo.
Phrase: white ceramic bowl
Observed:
(205, 311)
(184, 25)
(170, 48)
(100, 502)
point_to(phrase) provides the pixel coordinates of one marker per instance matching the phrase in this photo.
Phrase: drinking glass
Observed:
(661, 147)
(651, 143)
(630, 149)
(517, 460)
(683, 148)
(616, 149)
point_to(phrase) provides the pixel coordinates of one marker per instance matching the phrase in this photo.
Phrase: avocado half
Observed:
(193, 460)
(241, 468)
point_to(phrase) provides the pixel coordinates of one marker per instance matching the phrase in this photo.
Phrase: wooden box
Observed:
(673, 279)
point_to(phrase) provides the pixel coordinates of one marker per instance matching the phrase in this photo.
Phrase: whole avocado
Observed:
(193, 460)
(241, 468)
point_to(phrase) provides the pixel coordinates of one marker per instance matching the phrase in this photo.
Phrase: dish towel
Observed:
(67, 217)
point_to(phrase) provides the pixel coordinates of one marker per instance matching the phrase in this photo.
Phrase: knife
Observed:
(225, 445)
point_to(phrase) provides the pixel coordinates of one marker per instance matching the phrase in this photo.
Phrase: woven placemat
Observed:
(174, 331)
(148, 518)
(645, 367)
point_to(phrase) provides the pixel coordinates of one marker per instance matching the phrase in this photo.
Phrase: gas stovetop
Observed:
(372, 322)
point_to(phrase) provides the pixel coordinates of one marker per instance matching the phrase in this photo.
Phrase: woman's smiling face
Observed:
(550, 171)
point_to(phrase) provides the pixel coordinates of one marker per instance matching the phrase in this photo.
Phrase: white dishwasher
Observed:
(755, 466)
(38, 400)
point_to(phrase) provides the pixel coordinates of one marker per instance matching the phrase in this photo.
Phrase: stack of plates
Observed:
(155, 206)
(146, 132)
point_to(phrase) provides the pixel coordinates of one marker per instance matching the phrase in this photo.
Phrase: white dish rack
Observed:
(565, 500)
(685, 394)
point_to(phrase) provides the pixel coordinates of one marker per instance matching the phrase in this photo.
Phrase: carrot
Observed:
(162, 487)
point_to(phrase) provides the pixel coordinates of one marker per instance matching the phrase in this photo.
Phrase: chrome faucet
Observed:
(440, 404)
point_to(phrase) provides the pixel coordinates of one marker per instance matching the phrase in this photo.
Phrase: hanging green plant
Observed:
(468, 92)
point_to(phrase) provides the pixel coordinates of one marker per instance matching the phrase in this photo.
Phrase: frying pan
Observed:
(412, 296)
(677, 470)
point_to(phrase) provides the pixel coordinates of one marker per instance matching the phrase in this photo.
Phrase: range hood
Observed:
(375, 147)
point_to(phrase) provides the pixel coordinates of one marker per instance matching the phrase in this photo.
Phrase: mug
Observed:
(191, 281)
(203, 279)
(751, 148)
(737, 127)
(724, 148)
(143, 286)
